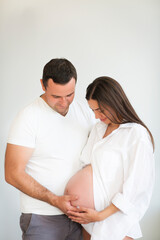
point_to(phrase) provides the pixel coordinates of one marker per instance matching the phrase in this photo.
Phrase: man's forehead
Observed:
(60, 90)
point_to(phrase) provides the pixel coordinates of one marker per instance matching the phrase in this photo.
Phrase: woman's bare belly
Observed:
(81, 184)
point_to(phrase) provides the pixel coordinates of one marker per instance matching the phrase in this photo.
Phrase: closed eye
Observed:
(54, 96)
(69, 95)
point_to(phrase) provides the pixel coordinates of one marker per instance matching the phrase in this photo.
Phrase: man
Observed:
(44, 145)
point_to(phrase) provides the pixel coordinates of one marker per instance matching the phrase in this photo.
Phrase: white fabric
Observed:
(57, 142)
(123, 174)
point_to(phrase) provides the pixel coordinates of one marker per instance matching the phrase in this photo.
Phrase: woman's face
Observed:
(105, 116)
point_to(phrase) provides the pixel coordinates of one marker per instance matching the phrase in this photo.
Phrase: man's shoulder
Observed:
(28, 112)
(32, 106)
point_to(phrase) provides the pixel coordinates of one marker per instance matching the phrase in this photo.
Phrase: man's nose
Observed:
(63, 100)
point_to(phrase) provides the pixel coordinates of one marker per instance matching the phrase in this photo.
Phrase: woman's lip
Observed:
(103, 119)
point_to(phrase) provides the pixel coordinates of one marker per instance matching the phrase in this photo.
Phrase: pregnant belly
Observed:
(81, 184)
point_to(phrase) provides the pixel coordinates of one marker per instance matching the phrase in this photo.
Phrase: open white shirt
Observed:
(123, 174)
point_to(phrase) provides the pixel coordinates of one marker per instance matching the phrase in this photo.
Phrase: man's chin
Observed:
(62, 111)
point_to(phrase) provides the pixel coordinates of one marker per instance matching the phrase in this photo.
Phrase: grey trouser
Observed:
(40, 227)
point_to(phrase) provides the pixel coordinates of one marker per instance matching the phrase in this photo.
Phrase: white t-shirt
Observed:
(123, 174)
(57, 141)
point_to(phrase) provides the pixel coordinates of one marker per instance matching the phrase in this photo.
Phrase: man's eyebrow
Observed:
(55, 95)
(63, 96)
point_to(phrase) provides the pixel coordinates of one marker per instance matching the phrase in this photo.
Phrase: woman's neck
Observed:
(111, 127)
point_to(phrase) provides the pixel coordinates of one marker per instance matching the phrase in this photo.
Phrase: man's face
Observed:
(58, 96)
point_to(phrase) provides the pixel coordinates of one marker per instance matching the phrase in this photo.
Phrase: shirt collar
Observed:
(127, 125)
(102, 126)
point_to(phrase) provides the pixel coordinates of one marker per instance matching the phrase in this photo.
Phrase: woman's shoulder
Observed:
(137, 128)
(137, 132)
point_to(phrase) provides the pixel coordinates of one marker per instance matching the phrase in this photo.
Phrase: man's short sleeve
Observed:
(23, 129)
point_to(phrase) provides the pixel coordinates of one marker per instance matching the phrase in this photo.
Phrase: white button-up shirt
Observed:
(123, 174)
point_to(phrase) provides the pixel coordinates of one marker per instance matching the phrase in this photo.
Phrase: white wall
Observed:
(101, 37)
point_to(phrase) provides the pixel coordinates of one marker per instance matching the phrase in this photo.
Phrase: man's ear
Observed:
(43, 87)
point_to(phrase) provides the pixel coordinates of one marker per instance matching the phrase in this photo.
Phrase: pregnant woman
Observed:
(115, 185)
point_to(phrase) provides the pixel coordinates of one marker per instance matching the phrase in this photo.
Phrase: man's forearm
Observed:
(28, 185)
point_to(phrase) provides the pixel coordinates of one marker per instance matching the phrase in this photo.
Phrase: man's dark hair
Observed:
(60, 70)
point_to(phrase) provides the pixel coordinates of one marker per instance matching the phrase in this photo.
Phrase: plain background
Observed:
(120, 39)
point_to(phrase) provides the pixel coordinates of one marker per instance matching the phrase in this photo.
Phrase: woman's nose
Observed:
(97, 114)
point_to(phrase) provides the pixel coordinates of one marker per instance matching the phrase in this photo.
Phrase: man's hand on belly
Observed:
(64, 203)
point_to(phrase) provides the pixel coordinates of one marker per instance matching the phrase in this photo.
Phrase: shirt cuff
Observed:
(124, 205)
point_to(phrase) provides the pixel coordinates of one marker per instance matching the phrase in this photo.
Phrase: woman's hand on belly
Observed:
(84, 215)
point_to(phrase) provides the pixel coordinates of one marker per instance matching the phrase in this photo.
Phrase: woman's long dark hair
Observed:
(109, 93)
